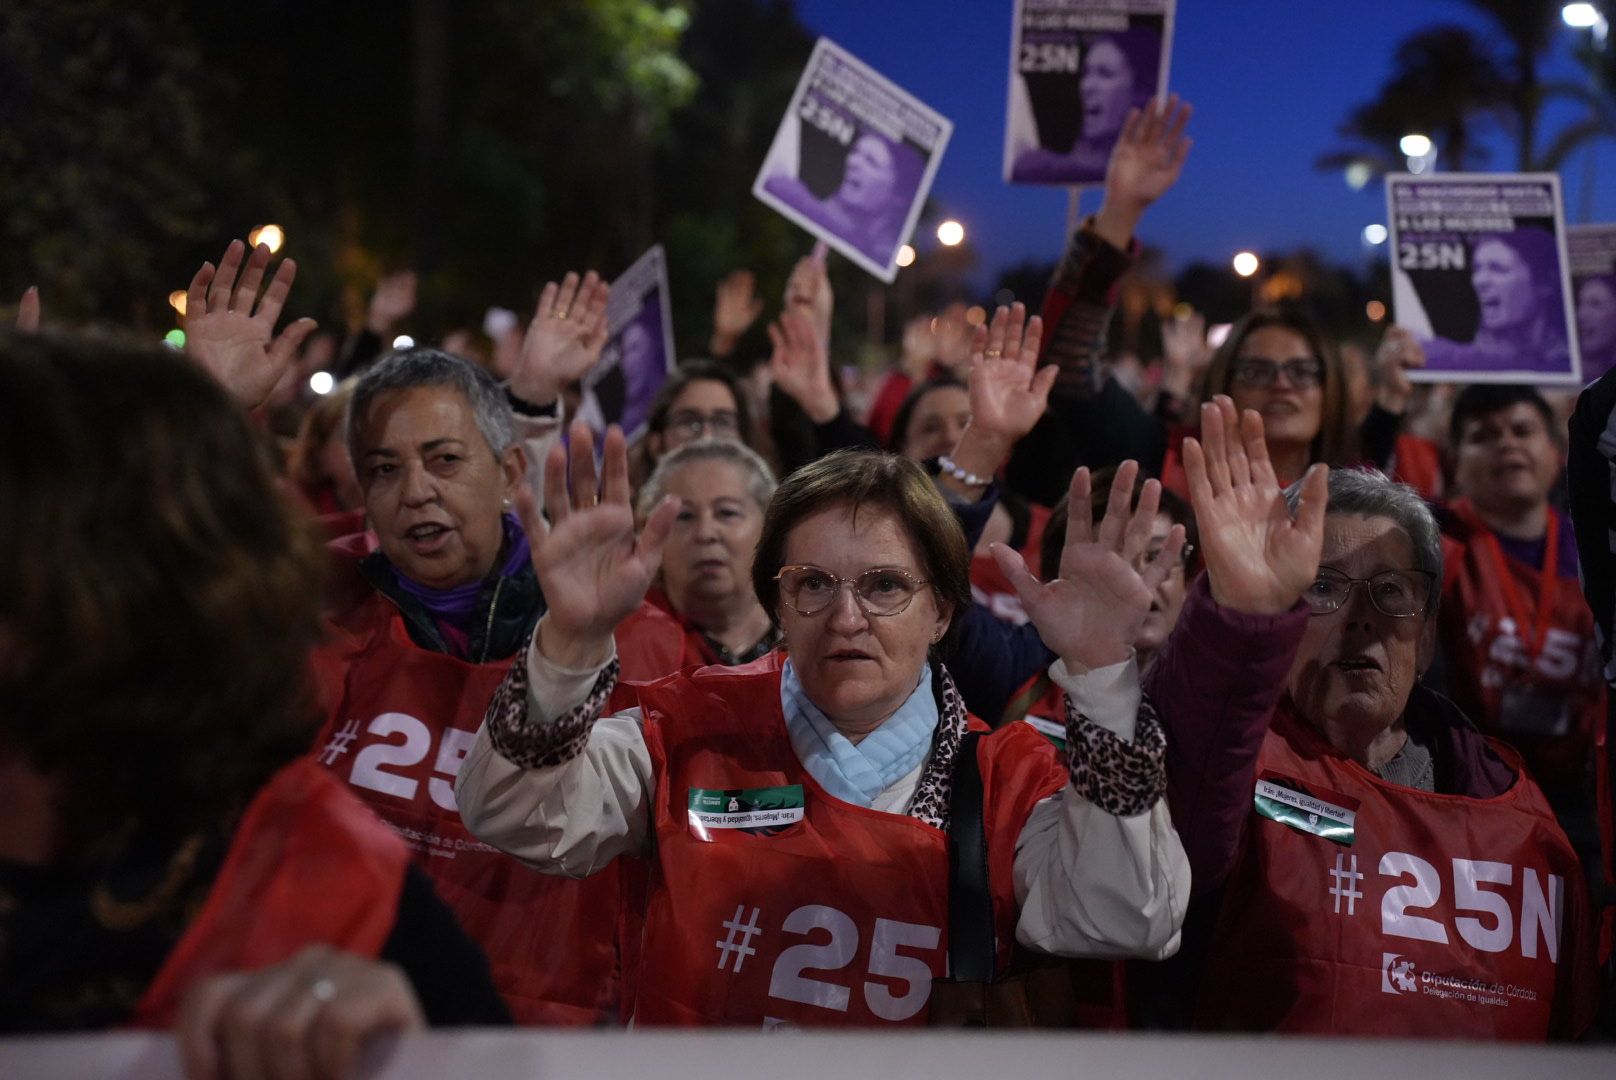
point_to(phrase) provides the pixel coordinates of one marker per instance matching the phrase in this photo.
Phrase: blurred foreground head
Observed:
(158, 598)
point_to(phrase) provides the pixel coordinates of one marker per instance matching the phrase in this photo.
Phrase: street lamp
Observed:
(271, 236)
(321, 382)
(1414, 145)
(950, 233)
(1246, 264)
(906, 256)
(176, 300)
(1375, 235)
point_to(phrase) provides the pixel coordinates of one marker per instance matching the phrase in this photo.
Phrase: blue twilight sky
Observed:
(1270, 80)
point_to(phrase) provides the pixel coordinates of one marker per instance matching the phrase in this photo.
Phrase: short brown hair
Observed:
(158, 595)
(857, 479)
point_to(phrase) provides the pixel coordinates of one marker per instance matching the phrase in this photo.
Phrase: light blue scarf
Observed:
(857, 774)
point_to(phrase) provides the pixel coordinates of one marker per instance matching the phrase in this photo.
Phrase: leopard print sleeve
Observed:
(1121, 778)
(534, 744)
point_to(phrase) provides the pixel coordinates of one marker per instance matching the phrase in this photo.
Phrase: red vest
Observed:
(401, 719)
(989, 586)
(1432, 915)
(1538, 686)
(773, 903)
(308, 865)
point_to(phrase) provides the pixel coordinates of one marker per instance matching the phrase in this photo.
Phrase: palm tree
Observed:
(1529, 27)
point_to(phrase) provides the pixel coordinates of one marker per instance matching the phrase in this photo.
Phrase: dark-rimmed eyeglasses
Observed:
(1397, 593)
(690, 423)
(881, 591)
(1301, 371)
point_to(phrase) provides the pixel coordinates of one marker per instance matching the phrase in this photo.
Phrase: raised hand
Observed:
(1258, 558)
(592, 567)
(564, 340)
(28, 310)
(808, 290)
(801, 366)
(309, 1016)
(1185, 353)
(736, 307)
(1090, 615)
(230, 330)
(1399, 353)
(1145, 163)
(391, 303)
(1008, 392)
(919, 347)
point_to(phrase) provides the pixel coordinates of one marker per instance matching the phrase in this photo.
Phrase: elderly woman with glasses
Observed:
(1368, 862)
(797, 810)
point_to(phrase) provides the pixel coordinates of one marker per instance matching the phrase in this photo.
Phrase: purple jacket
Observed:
(1216, 683)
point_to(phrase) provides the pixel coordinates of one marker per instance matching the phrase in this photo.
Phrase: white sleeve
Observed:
(1093, 883)
(537, 434)
(570, 818)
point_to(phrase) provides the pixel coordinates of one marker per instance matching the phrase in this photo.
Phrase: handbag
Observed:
(1034, 992)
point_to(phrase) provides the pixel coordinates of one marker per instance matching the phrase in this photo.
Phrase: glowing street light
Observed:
(1359, 173)
(950, 233)
(1375, 234)
(1246, 264)
(906, 256)
(403, 341)
(321, 382)
(176, 300)
(271, 236)
(1414, 145)
(1586, 17)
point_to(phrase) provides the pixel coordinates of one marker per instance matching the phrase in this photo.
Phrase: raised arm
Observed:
(28, 310)
(1220, 674)
(230, 328)
(549, 779)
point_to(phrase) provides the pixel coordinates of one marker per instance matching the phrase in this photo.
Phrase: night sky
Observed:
(1270, 80)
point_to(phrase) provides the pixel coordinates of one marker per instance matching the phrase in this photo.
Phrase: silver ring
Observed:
(323, 990)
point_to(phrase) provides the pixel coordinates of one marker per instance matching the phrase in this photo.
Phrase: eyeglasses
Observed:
(1149, 556)
(881, 591)
(1398, 593)
(1301, 371)
(691, 423)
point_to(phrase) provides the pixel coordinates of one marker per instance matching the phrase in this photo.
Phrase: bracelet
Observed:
(946, 464)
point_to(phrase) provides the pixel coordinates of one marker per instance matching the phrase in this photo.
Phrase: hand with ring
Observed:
(558, 349)
(308, 1017)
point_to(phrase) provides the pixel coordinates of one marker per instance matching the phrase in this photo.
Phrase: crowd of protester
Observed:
(1244, 700)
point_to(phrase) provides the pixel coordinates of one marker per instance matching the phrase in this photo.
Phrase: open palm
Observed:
(592, 567)
(230, 329)
(565, 338)
(1149, 154)
(1008, 392)
(1092, 613)
(1259, 558)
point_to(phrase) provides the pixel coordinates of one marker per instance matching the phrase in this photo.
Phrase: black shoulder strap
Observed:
(971, 953)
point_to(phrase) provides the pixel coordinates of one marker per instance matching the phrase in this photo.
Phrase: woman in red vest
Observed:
(703, 610)
(162, 830)
(797, 809)
(1370, 864)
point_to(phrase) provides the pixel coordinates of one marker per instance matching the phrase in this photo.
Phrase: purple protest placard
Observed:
(639, 353)
(1479, 275)
(1076, 68)
(853, 159)
(1592, 252)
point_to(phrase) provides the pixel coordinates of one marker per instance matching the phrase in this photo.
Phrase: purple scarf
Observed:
(455, 608)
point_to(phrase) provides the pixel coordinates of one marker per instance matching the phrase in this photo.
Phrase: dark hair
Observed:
(1335, 444)
(1477, 401)
(160, 596)
(1538, 251)
(870, 478)
(1141, 47)
(900, 420)
(691, 371)
(1049, 552)
(326, 417)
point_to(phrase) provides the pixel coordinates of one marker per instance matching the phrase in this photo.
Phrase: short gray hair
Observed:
(429, 367)
(1372, 493)
(760, 481)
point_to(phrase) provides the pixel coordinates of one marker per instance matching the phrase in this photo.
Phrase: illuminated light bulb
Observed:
(1246, 264)
(950, 233)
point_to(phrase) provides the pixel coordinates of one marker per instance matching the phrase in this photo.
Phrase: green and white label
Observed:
(1305, 812)
(1053, 730)
(746, 808)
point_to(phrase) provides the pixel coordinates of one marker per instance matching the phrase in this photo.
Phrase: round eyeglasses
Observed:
(1300, 372)
(692, 424)
(881, 591)
(1398, 593)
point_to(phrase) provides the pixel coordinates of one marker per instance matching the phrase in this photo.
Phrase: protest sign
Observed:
(853, 159)
(1076, 68)
(1479, 276)
(638, 354)
(1592, 252)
